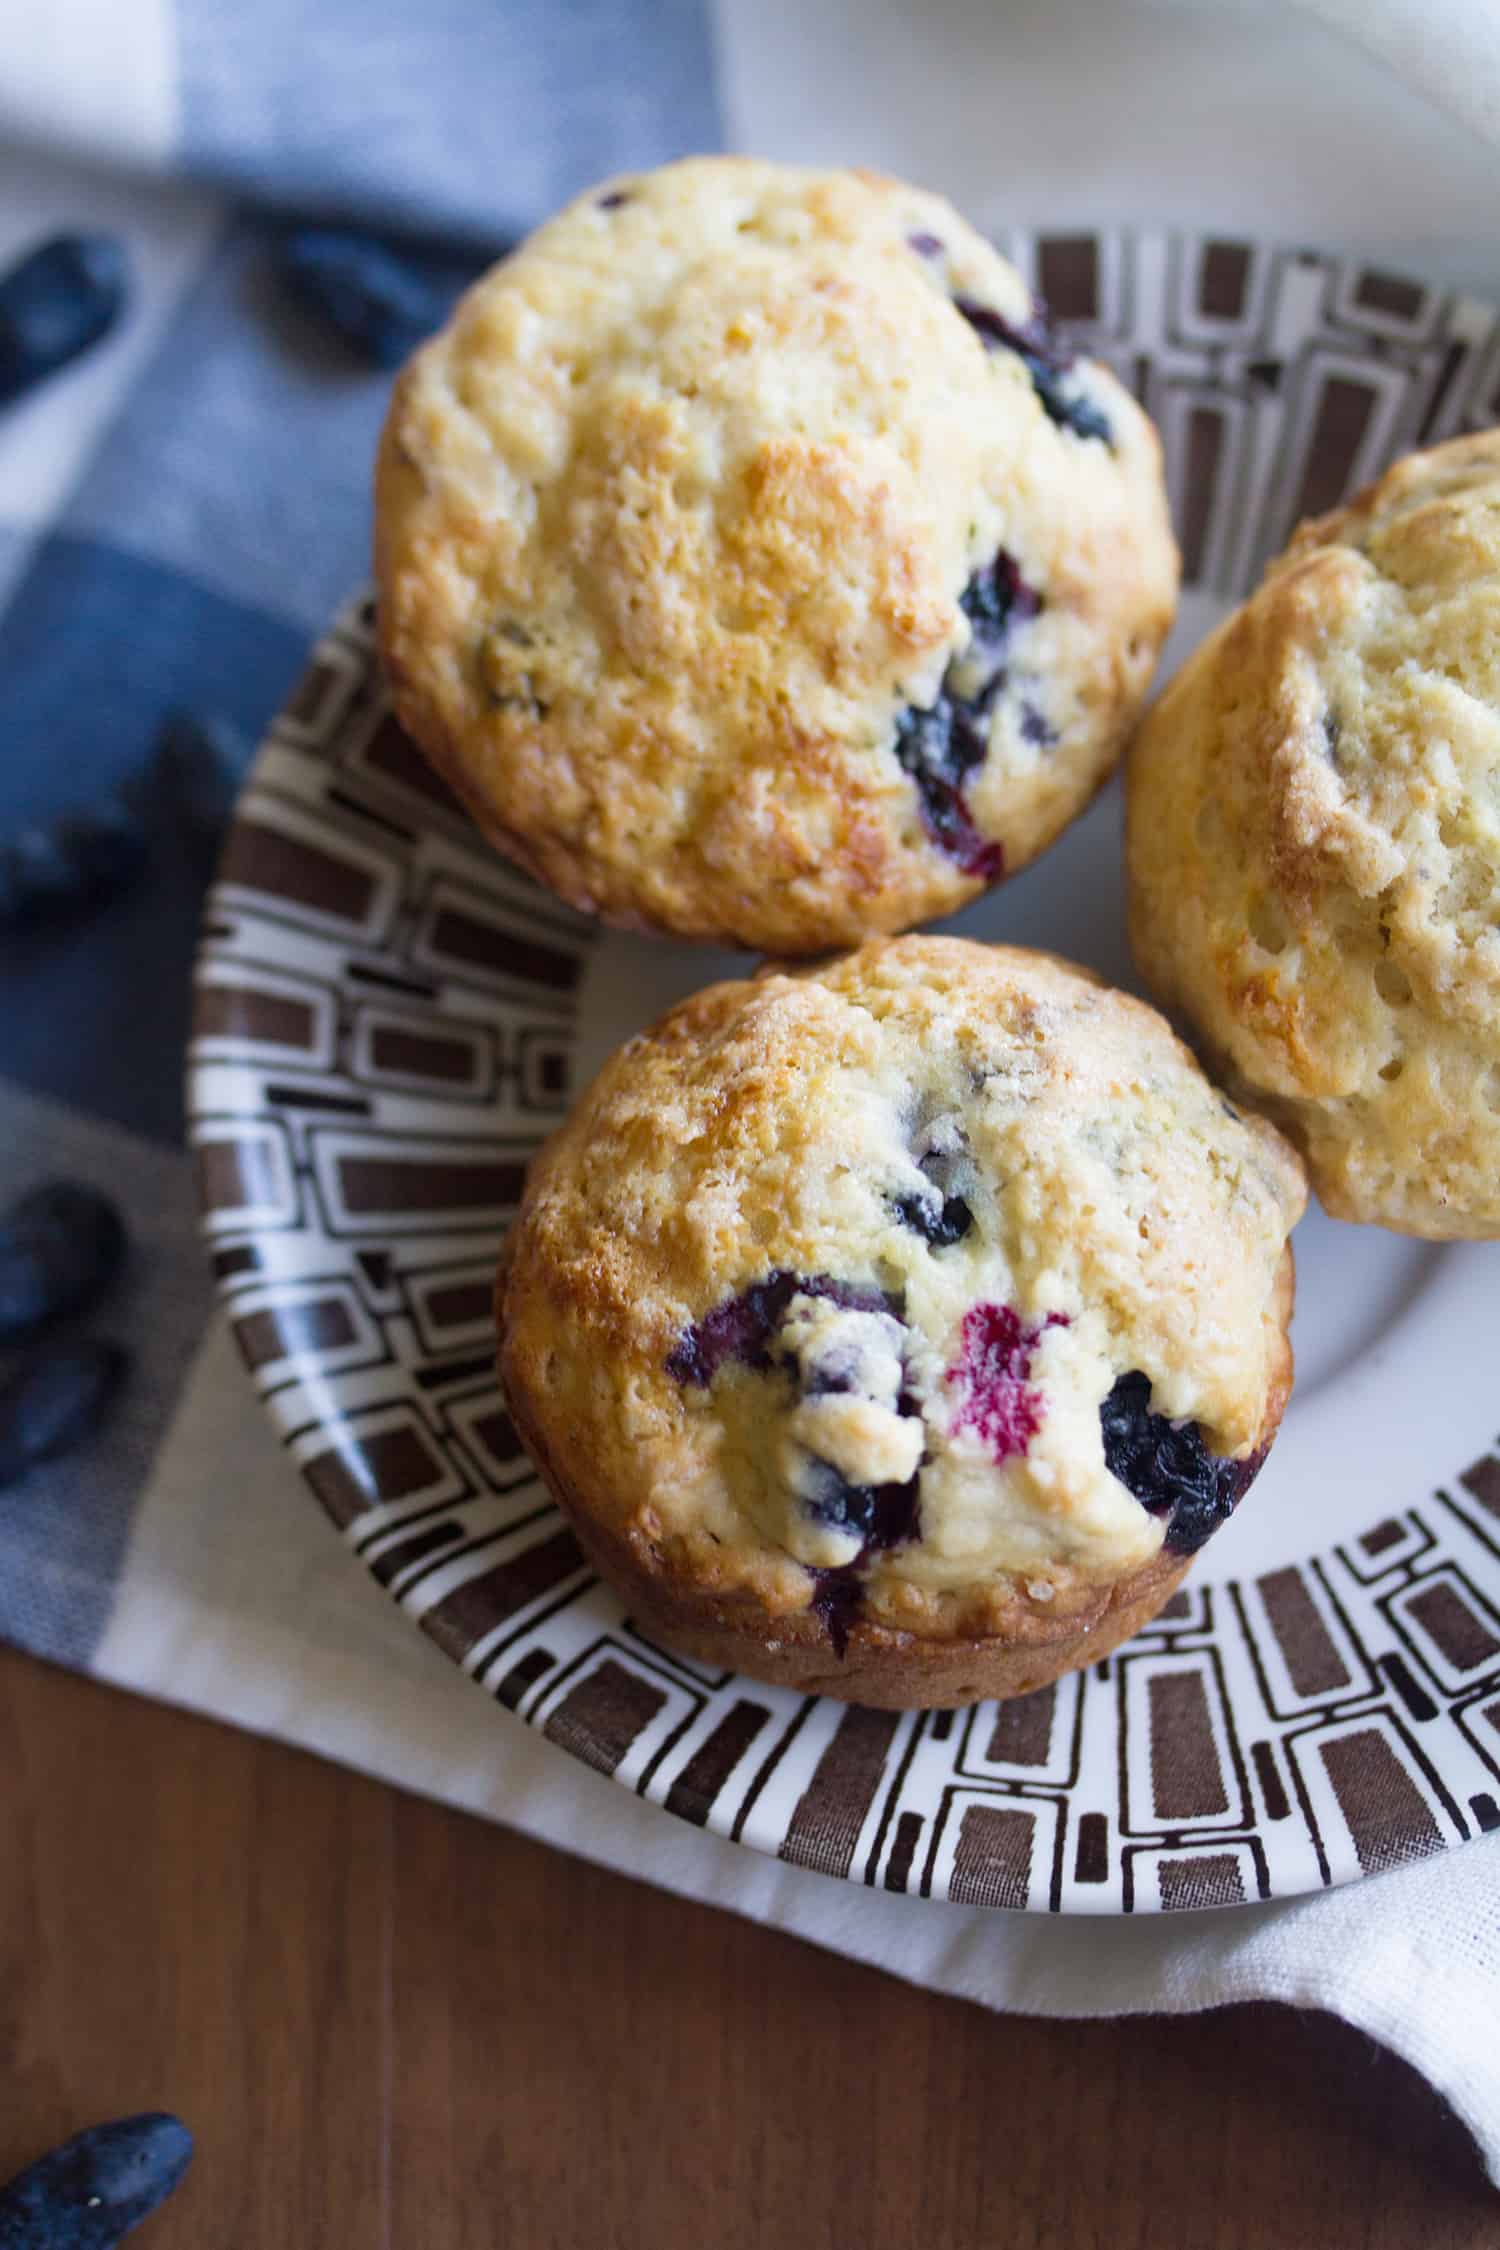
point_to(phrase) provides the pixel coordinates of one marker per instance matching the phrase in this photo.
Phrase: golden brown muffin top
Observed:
(708, 488)
(1314, 843)
(847, 1267)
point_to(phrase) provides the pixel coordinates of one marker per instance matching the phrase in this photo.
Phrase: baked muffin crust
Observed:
(854, 1308)
(755, 563)
(1314, 845)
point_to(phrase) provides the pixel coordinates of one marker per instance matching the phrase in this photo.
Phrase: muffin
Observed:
(899, 1328)
(757, 565)
(1314, 845)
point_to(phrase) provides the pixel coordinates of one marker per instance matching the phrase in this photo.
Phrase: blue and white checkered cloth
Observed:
(182, 510)
(180, 513)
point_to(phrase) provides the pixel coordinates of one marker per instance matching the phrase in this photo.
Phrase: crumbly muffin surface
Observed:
(937, 1278)
(757, 565)
(1314, 845)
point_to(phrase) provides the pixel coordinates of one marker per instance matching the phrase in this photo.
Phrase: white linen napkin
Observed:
(1448, 48)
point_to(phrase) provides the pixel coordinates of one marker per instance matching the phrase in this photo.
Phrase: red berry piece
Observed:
(996, 1397)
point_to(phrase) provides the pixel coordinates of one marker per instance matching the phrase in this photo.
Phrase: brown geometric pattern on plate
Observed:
(824, 1827)
(1211, 1879)
(1279, 379)
(600, 1718)
(1313, 1663)
(1187, 1776)
(692, 1794)
(386, 1027)
(1386, 1811)
(992, 1865)
(1022, 1733)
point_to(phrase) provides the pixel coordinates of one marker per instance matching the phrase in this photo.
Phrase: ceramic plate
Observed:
(389, 1018)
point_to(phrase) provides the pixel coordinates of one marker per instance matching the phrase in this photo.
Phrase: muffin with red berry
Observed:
(900, 1328)
(757, 563)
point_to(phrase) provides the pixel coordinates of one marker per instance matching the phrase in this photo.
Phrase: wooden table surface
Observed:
(393, 2025)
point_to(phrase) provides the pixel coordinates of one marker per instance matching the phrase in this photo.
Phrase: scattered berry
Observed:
(108, 848)
(1168, 1468)
(940, 1220)
(938, 748)
(37, 877)
(883, 1515)
(64, 871)
(838, 1598)
(202, 761)
(744, 1329)
(60, 299)
(1047, 361)
(88, 2194)
(1071, 410)
(743, 1326)
(60, 1247)
(996, 600)
(53, 1401)
(380, 300)
(858, 1353)
(941, 746)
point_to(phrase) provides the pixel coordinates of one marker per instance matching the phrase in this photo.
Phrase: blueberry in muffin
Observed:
(758, 564)
(900, 1328)
(1314, 845)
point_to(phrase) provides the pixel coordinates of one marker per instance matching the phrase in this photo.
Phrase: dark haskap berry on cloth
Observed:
(382, 301)
(202, 761)
(61, 1246)
(925, 245)
(1168, 1468)
(89, 2193)
(612, 200)
(1047, 361)
(54, 1400)
(940, 1220)
(939, 747)
(37, 877)
(108, 847)
(996, 1397)
(68, 869)
(60, 299)
(743, 1326)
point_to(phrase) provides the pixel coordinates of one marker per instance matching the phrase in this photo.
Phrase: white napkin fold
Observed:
(1260, 117)
(1450, 49)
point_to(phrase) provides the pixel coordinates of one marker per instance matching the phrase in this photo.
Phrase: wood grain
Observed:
(392, 2025)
